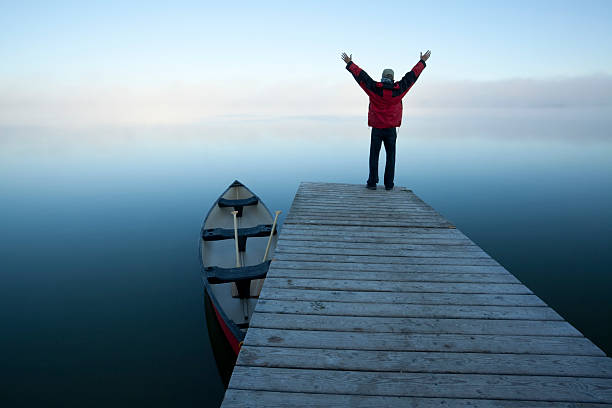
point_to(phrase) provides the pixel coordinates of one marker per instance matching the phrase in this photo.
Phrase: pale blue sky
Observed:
(246, 47)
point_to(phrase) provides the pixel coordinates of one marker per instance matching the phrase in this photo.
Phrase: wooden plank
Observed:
(414, 267)
(397, 276)
(287, 237)
(365, 205)
(273, 399)
(402, 297)
(387, 231)
(335, 233)
(378, 231)
(419, 220)
(308, 194)
(371, 196)
(382, 286)
(303, 210)
(445, 236)
(361, 203)
(308, 236)
(358, 215)
(543, 388)
(338, 192)
(397, 253)
(420, 246)
(460, 343)
(383, 232)
(372, 202)
(352, 208)
(402, 199)
(366, 201)
(389, 259)
(406, 310)
(364, 213)
(414, 325)
(423, 362)
(404, 221)
(355, 209)
(364, 222)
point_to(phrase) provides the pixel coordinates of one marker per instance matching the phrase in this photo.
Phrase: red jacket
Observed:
(385, 99)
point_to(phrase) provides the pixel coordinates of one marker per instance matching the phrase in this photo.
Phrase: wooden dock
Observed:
(375, 300)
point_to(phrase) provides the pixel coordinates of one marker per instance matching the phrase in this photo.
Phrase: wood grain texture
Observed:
(469, 343)
(376, 324)
(378, 246)
(395, 253)
(423, 362)
(419, 298)
(406, 260)
(374, 299)
(542, 388)
(398, 276)
(273, 399)
(373, 266)
(391, 230)
(406, 310)
(391, 286)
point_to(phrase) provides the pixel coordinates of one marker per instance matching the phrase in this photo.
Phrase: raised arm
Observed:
(362, 77)
(410, 78)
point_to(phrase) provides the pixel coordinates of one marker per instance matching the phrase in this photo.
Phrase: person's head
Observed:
(387, 75)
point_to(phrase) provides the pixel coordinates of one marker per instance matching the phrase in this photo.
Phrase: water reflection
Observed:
(101, 298)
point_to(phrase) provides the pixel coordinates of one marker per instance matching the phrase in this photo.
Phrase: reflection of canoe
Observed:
(232, 291)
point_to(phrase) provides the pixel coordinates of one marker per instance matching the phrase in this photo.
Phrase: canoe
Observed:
(232, 291)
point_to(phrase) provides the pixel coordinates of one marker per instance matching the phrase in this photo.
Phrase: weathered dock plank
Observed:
(405, 260)
(531, 387)
(408, 267)
(401, 276)
(275, 399)
(375, 299)
(406, 310)
(377, 324)
(396, 286)
(423, 362)
(419, 298)
(469, 343)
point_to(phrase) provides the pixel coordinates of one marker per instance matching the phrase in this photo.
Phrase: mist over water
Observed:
(101, 301)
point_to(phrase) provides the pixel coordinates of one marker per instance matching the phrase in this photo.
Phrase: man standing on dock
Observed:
(385, 113)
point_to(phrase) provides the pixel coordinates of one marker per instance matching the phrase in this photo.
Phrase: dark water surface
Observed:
(101, 301)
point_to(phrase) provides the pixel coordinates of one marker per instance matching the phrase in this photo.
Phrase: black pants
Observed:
(388, 136)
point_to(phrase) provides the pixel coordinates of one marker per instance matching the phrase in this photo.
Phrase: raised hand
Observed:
(346, 58)
(425, 56)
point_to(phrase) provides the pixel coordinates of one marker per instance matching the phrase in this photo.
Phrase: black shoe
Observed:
(371, 187)
(388, 188)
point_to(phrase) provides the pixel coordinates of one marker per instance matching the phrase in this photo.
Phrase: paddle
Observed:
(271, 234)
(236, 238)
(244, 286)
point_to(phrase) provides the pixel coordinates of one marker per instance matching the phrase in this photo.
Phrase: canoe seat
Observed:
(216, 274)
(218, 234)
(238, 204)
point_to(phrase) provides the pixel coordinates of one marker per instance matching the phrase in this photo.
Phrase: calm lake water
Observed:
(101, 301)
